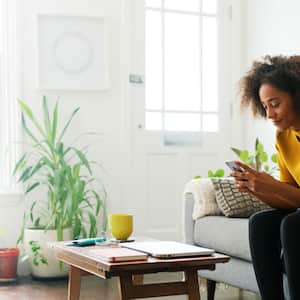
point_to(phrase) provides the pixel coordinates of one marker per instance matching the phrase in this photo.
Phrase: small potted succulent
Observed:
(8, 263)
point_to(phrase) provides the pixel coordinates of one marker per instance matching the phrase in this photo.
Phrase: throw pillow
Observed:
(204, 197)
(234, 203)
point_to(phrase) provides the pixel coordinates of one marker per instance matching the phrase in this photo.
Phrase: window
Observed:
(181, 71)
(9, 113)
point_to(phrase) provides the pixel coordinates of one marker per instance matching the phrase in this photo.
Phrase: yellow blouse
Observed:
(288, 147)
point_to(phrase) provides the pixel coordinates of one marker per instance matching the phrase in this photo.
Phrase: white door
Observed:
(179, 97)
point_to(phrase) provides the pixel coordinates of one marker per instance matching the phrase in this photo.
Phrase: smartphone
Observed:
(233, 166)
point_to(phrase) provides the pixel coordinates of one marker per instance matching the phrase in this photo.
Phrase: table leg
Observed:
(125, 285)
(74, 283)
(191, 277)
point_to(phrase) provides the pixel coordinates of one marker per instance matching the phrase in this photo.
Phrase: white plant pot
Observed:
(41, 238)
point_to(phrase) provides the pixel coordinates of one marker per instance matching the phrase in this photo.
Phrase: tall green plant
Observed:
(64, 171)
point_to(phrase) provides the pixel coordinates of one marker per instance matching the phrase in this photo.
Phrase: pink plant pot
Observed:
(8, 263)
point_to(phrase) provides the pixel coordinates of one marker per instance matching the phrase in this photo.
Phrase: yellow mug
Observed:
(120, 226)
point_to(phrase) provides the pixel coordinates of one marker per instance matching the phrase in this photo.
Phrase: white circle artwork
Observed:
(72, 52)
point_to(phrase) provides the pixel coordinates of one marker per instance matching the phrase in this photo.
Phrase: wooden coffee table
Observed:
(82, 262)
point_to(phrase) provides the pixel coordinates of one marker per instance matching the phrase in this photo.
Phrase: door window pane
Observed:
(209, 6)
(153, 3)
(182, 122)
(210, 123)
(209, 65)
(186, 5)
(153, 60)
(182, 79)
(153, 121)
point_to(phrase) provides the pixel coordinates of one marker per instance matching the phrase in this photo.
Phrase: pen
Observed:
(89, 241)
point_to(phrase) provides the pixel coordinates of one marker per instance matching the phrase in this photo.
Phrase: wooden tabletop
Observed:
(86, 259)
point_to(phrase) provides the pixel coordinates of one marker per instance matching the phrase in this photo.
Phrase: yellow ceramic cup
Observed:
(120, 226)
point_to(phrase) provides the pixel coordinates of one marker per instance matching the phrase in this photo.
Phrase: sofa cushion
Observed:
(203, 193)
(225, 235)
(234, 203)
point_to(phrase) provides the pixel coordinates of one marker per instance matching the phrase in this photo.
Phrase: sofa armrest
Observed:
(188, 222)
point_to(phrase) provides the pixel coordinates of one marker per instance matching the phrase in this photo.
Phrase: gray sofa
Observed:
(225, 235)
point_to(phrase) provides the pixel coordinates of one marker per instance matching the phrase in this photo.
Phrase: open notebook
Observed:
(168, 249)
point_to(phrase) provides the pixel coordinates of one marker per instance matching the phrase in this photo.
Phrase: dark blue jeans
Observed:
(274, 237)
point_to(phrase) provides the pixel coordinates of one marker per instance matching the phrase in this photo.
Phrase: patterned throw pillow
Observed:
(234, 203)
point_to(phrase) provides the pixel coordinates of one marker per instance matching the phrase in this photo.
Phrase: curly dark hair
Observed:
(283, 72)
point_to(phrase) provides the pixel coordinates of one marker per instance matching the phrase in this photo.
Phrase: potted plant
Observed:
(259, 160)
(71, 206)
(8, 263)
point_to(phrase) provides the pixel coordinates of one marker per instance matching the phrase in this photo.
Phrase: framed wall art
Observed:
(72, 52)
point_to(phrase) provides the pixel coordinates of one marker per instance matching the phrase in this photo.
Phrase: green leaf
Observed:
(37, 167)
(67, 124)
(266, 168)
(28, 132)
(219, 173)
(83, 159)
(44, 260)
(54, 122)
(93, 223)
(32, 137)
(197, 177)
(236, 151)
(37, 223)
(256, 143)
(31, 210)
(76, 227)
(274, 158)
(259, 147)
(21, 236)
(98, 202)
(76, 170)
(30, 115)
(19, 163)
(36, 261)
(244, 155)
(47, 119)
(210, 173)
(25, 175)
(264, 157)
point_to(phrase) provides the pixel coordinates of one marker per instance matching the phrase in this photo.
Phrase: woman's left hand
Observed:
(253, 181)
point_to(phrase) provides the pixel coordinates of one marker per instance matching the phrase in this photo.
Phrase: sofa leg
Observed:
(211, 287)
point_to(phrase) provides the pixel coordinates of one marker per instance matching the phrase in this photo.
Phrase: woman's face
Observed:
(279, 106)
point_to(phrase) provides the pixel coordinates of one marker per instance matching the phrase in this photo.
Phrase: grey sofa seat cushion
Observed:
(239, 273)
(225, 235)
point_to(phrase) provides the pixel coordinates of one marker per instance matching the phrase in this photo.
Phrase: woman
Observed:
(272, 89)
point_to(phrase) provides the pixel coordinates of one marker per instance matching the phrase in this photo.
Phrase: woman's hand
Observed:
(253, 181)
(269, 190)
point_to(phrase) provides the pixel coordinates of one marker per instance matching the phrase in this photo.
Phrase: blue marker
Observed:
(88, 241)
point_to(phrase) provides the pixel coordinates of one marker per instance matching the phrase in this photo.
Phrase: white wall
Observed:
(272, 27)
